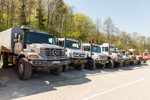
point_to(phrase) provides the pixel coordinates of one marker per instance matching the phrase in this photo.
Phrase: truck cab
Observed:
(114, 58)
(146, 56)
(96, 59)
(134, 53)
(76, 56)
(126, 60)
(32, 50)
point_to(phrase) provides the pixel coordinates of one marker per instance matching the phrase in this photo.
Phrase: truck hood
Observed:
(36, 47)
(118, 56)
(75, 51)
(125, 57)
(99, 56)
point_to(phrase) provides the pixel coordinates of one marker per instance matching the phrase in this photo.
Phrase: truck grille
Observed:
(103, 57)
(78, 55)
(119, 56)
(49, 52)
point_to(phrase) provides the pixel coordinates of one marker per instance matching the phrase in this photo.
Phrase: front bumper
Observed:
(77, 61)
(49, 63)
(101, 61)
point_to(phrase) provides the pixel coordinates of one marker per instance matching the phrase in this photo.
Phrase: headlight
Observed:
(33, 56)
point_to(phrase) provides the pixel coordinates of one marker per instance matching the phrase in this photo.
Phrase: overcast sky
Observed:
(127, 15)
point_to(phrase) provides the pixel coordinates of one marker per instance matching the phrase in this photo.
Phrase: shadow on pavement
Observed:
(133, 67)
(42, 81)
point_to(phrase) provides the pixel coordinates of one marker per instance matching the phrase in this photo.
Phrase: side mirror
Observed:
(57, 42)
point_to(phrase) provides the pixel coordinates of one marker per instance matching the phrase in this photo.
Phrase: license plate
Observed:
(55, 62)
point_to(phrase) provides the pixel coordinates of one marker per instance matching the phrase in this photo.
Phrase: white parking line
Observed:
(113, 89)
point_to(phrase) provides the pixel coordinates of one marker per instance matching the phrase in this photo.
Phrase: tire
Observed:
(139, 62)
(24, 69)
(117, 64)
(125, 63)
(144, 61)
(100, 66)
(128, 63)
(110, 64)
(136, 63)
(79, 67)
(56, 71)
(131, 63)
(4, 60)
(90, 65)
(65, 68)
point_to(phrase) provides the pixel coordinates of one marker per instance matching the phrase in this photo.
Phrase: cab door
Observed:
(19, 44)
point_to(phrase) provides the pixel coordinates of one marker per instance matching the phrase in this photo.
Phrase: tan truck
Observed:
(29, 50)
(134, 56)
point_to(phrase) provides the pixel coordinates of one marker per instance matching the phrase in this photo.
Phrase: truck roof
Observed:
(68, 39)
(32, 30)
(90, 44)
(106, 45)
(132, 50)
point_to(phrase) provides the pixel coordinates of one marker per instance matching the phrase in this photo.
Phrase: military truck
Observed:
(95, 58)
(76, 56)
(29, 50)
(126, 59)
(114, 58)
(134, 52)
(146, 56)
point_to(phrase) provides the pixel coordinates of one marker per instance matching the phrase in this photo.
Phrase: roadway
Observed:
(125, 83)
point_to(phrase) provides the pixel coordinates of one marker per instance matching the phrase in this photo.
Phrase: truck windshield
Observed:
(122, 52)
(96, 49)
(72, 44)
(112, 49)
(33, 37)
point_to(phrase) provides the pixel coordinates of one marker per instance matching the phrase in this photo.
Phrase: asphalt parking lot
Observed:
(43, 83)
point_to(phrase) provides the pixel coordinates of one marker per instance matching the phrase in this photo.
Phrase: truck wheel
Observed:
(65, 68)
(57, 71)
(125, 63)
(100, 66)
(139, 63)
(131, 63)
(110, 64)
(136, 63)
(117, 64)
(90, 65)
(24, 69)
(79, 67)
(144, 61)
(4, 60)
